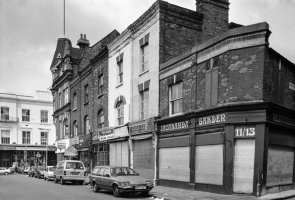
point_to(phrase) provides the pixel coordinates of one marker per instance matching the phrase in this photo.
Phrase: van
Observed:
(70, 170)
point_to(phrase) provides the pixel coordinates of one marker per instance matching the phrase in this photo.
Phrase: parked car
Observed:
(12, 170)
(39, 172)
(20, 169)
(70, 170)
(4, 171)
(49, 173)
(119, 180)
(26, 170)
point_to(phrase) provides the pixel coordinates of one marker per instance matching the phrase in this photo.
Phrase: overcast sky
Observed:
(29, 30)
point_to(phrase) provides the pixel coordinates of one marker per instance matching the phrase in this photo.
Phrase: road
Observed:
(22, 187)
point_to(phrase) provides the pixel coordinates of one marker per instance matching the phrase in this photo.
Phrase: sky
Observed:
(29, 30)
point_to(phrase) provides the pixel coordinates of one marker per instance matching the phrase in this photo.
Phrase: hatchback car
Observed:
(4, 171)
(70, 170)
(39, 172)
(119, 180)
(49, 173)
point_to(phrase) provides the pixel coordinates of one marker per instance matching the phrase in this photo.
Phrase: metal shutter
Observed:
(209, 171)
(143, 158)
(119, 153)
(280, 164)
(244, 165)
(174, 164)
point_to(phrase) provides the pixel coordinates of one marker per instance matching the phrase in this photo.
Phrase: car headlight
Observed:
(125, 184)
(149, 183)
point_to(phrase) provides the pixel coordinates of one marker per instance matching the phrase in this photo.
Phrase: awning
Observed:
(71, 151)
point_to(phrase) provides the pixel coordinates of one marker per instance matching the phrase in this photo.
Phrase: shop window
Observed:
(44, 138)
(211, 82)
(5, 136)
(175, 98)
(4, 113)
(44, 116)
(25, 115)
(144, 53)
(100, 119)
(26, 136)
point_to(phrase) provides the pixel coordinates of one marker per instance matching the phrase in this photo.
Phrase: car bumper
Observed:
(74, 178)
(134, 189)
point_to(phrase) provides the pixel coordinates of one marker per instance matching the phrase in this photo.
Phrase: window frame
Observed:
(144, 58)
(120, 110)
(44, 138)
(5, 140)
(44, 119)
(28, 115)
(86, 125)
(86, 93)
(120, 72)
(175, 100)
(144, 110)
(100, 116)
(27, 138)
(75, 101)
(4, 115)
(100, 84)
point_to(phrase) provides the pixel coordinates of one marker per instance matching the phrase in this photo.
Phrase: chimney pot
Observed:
(81, 36)
(84, 36)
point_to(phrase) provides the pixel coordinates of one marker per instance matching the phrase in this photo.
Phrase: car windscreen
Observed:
(51, 169)
(123, 171)
(74, 165)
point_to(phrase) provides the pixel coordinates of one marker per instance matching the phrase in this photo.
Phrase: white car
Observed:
(4, 171)
(48, 174)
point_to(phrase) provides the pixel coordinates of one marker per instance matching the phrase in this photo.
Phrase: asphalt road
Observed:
(22, 187)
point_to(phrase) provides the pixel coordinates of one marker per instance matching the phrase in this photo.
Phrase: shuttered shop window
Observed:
(280, 164)
(119, 153)
(209, 164)
(174, 164)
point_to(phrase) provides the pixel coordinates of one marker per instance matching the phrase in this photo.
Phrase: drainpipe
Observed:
(258, 184)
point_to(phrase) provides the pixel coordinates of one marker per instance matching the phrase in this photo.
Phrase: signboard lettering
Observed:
(61, 145)
(213, 119)
(106, 134)
(175, 126)
(283, 119)
(137, 129)
(245, 132)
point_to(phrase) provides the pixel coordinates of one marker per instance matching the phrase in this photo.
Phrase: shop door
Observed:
(244, 166)
(143, 158)
(119, 154)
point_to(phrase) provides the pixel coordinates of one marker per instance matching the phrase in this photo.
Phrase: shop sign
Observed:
(61, 145)
(175, 126)
(212, 119)
(106, 134)
(283, 119)
(245, 132)
(7, 148)
(137, 129)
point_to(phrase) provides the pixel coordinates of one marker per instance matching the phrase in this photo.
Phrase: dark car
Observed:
(119, 180)
(39, 172)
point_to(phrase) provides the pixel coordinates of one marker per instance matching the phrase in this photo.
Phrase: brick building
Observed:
(227, 109)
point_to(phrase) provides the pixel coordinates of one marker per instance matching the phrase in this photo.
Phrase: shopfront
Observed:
(100, 148)
(84, 149)
(142, 141)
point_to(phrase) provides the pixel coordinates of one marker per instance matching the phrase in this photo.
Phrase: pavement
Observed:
(169, 193)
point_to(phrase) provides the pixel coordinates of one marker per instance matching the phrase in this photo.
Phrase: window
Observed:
(100, 84)
(26, 137)
(66, 127)
(86, 93)
(5, 136)
(86, 125)
(44, 138)
(120, 110)
(61, 134)
(75, 128)
(75, 100)
(60, 100)
(66, 96)
(144, 53)
(44, 116)
(4, 113)
(25, 115)
(100, 119)
(211, 82)
(144, 104)
(120, 69)
(175, 98)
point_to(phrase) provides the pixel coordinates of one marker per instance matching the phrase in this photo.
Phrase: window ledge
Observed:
(100, 95)
(119, 85)
(174, 115)
(86, 102)
(74, 109)
(142, 73)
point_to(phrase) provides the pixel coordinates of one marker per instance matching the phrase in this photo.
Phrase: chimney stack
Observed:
(215, 17)
(83, 42)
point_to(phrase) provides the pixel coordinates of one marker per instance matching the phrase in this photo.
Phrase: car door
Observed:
(107, 179)
(93, 175)
(99, 179)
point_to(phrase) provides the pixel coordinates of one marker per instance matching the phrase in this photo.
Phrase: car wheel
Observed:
(62, 182)
(81, 182)
(145, 193)
(55, 179)
(116, 191)
(5, 173)
(95, 187)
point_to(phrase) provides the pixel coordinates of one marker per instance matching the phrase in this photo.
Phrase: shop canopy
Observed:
(71, 152)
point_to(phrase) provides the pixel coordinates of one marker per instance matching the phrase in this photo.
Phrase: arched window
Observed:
(120, 112)
(100, 119)
(75, 129)
(86, 125)
(66, 127)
